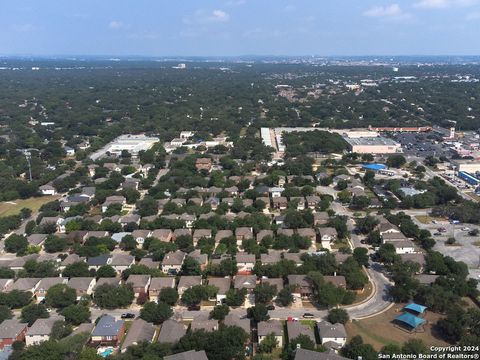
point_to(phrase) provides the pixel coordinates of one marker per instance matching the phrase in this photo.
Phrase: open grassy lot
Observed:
(380, 330)
(13, 207)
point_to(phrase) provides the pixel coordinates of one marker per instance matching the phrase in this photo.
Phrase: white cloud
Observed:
(23, 28)
(218, 16)
(383, 11)
(114, 24)
(204, 17)
(444, 4)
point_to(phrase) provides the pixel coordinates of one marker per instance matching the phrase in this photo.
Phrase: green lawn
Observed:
(13, 207)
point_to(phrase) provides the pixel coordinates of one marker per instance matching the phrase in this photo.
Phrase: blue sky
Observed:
(239, 27)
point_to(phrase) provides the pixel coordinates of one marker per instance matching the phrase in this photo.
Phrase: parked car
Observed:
(194, 308)
(128, 316)
(308, 316)
(270, 307)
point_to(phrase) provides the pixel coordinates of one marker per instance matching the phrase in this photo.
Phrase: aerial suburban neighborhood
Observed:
(258, 207)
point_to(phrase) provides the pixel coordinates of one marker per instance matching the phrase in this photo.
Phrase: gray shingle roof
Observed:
(139, 331)
(171, 332)
(107, 326)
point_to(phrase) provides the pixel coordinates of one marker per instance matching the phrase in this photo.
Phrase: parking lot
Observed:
(465, 250)
(421, 145)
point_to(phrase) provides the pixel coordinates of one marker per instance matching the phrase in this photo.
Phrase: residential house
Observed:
(264, 233)
(171, 332)
(47, 190)
(277, 282)
(140, 330)
(97, 262)
(107, 281)
(189, 219)
(47, 283)
(111, 200)
(280, 203)
(248, 282)
(201, 233)
(40, 330)
(245, 263)
(285, 232)
(157, 284)
(202, 322)
(140, 284)
(265, 328)
(83, 286)
(203, 164)
(271, 258)
(172, 262)
(276, 192)
(243, 233)
(11, 330)
(149, 263)
(70, 259)
(108, 331)
(403, 247)
(308, 233)
(320, 218)
(295, 257)
(304, 354)
(296, 328)
(233, 319)
(223, 285)
(202, 259)
(186, 282)
(36, 239)
(181, 232)
(25, 284)
(188, 355)
(312, 201)
(301, 284)
(129, 219)
(327, 236)
(300, 201)
(222, 234)
(332, 335)
(393, 236)
(5, 285)
(165, 235)
(337, 280)
(121, 262)
(140, 235)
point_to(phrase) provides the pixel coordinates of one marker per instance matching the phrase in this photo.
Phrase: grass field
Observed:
(13, 207)
(380, 331)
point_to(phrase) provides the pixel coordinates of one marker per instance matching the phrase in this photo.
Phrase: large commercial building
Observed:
(373, 145)
(467, 166)
(131, 143)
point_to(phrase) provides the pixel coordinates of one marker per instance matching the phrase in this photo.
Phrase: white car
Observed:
(466, 229)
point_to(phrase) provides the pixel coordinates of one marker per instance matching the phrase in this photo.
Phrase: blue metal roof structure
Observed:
(410, 319)
(374, 166)
(468, 178)
(415, 307)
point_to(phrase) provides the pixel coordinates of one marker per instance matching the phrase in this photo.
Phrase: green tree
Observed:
(5, 313)
(338, 316)
(60, 329)
(235, 297)
(77, 269)
(16, 244)
(258, 313)
(264, 293)
(361, 256)
(285, 296)
(60, 296)
(357, 348)
(268, 344)
(156, 313)
(219, 312)
(168, 296)
(76, 314)
(113, 297)
(32, 312)
(414, 346)
(106, 271)
(396, 161)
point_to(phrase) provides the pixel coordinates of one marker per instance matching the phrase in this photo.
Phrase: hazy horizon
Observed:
(236, 28)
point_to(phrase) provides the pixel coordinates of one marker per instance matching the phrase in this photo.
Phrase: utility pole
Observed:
(28, 157)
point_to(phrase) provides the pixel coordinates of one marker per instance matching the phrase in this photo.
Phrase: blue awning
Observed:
(415, 307)
(410, 319)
